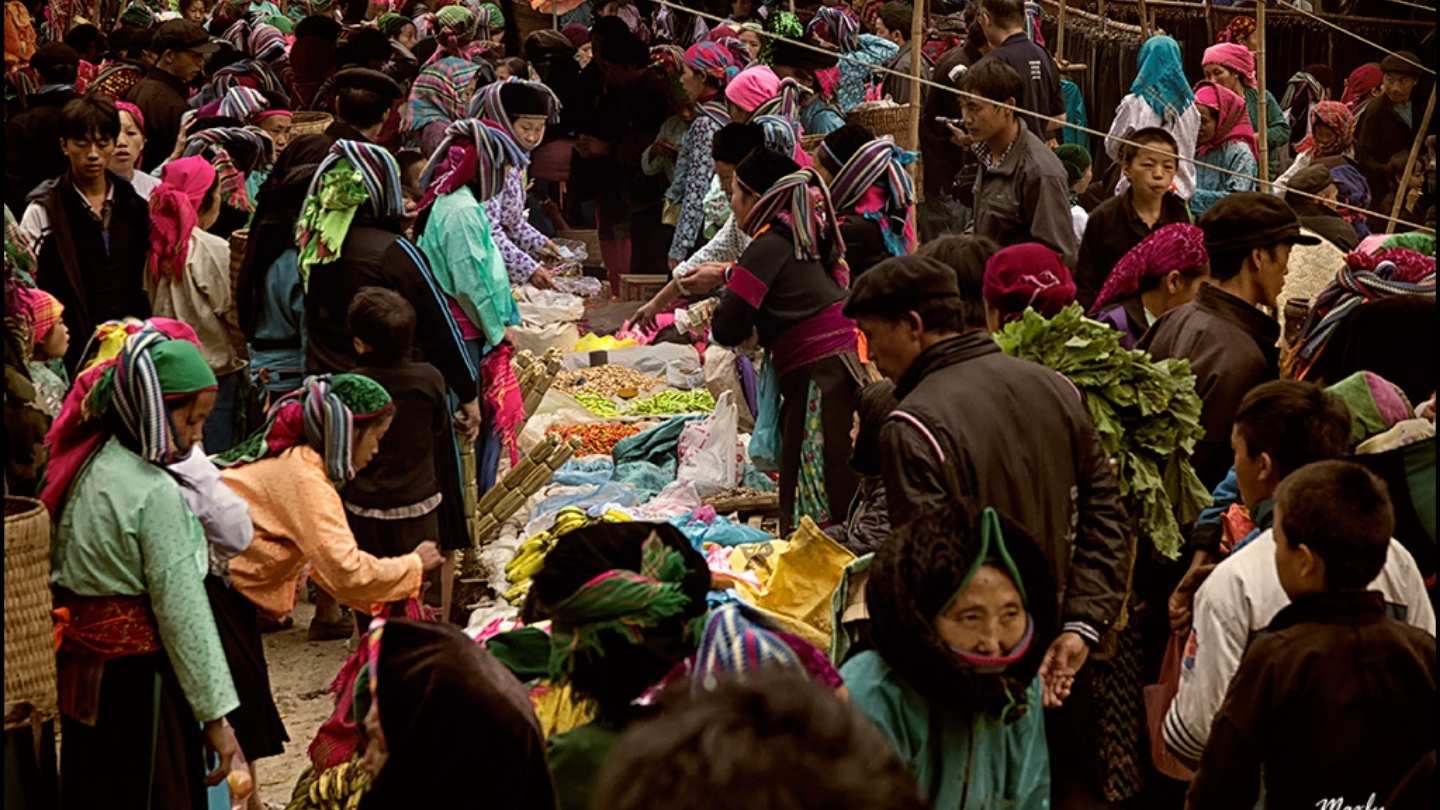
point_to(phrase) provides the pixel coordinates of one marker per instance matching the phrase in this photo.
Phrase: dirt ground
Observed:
(300, 675)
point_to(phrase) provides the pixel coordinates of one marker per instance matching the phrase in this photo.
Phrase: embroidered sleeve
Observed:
(507, 210)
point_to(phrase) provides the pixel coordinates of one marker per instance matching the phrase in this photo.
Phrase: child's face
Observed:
(195, 11)
(1300, 570)
(986, 618)
(503, 72)
(367, 442)
(1151, 172)
(411, 181)
(56, 343)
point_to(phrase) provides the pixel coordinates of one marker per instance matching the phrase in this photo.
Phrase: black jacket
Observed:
(1231, 348)
(1379, 135)
(94, 282)
(161, 98)
(32, 146)
(1040, 78)
(373, 256)
(864, 243)
(1112, 230)
(1335, 700)
(791, 290)
(1015, 436)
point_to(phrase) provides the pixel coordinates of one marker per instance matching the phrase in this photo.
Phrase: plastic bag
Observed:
(765, 438)
(707, 450)
(684, 374)
(540, 307)
(540, 339)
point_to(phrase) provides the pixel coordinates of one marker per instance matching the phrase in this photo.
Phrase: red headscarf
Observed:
(1358, 85)
(1335, 116)
(1237, 31)
(174, 210)
(1235, 58)
(1232, 120)
(1177, 246)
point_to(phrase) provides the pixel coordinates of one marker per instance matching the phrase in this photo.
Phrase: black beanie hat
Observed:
(734, 141)
(519, 98)
(761, 168)
(842, 144)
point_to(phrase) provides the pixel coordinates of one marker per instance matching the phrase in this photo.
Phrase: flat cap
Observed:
(182, 35)
(900, 284)
(372, 80)
(1402, 62)
(1312, 179)
(1251, 219)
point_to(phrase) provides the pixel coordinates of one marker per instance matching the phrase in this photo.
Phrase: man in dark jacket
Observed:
(32, 153)
(1315, 215)
(92, 229)
(1333, 705)
(1003, 22)
(1387, 124)
(162, 95)
(894, 24)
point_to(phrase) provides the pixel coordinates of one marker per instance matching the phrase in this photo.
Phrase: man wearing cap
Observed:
(1320, 217)
(1387, 124)
(976, 423)
(1228, 340)
(363, 99)
(162, 96)
(31, 155)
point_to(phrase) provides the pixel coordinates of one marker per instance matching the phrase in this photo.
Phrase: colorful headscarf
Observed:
(1354, 196)
(472, 152)
(138, 14)
(490, 18)
(782, 136)
(1364, 278)
(1359, 84)
(265, 42)
(1239, 30)
(1177, 246)
(20, 39)
(736, 643)
(618, 601)
(796, 196)
(835, 26)
(1232, 120)
(1160, 79)
(134, 111)
(487, 105)
(241, 103)
(216, 143)
(1375, 404)
(441, 93)
(39, 310)
(454, 28)
(354, 173)
(752, 87)
(786, 100)
(19, 252)
(322, 413)
(174, 210)
(391, 24)
(1338, 118)
(712, 59)
(1236, 58)
(879, 167)
(1027, 275)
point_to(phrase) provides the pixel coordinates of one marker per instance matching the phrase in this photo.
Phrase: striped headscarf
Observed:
(242, 102)
(391, 24)
(454, 28)
(1177, 246)
(712, 59)
(782, 136)
(151, 369)
(618, 601)
(880, 165)
(472, 152)
(803, 198)
(441, 92)
(835, 26)
(487, 105)
(737, 644)
(322, 413)
(1364, 278)
(354, 173)
(490, 19)
(217, 145)
(786, 101)
(265, 42)
(1336, 117)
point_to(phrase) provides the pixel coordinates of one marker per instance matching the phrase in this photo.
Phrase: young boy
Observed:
(393, 505)
(1121, 222)
(1334, 703)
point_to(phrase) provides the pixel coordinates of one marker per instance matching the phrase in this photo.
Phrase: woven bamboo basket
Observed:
(309, 122)
(892, 121)
(238, 238)
(30, 685)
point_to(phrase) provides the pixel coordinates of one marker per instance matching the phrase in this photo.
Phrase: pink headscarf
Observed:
(752, 87)
(125, 106)
(1177, 246)
(1236, 58)
(1232, 120)
(174, 210)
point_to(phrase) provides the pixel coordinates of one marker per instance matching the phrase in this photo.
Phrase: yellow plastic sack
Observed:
(591, 342)
(557, 708)
(798, 579)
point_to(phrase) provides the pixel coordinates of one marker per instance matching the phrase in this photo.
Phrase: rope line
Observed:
(1430, 9)
(1347, 32)
(1061, 121)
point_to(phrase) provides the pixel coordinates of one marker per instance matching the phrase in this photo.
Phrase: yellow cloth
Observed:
(558, 710)
(798, 577)
(591, 342)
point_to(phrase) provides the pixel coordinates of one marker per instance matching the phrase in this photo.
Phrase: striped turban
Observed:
(242, 102)
(151, 369)
(834, 26)
(489, 104)
(265, 42)
(811, 214)
(879, 164)
(473, 153)
(355, 173)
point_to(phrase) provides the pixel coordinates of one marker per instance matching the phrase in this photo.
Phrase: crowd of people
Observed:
(262, 263)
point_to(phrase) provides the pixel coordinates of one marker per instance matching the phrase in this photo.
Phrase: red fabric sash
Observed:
(90, 630)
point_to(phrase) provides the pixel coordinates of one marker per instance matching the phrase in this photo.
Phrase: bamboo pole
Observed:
(1060, 34)
(1144, 19)
(1264, 107)
(1410, 162)
(917, 42)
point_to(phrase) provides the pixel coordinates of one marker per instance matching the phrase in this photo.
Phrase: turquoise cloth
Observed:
(656, 445)
(1160, 78)
(855, 70)
(460, 245)
(1074, 114)
(1211, 185)
(985, 763)
(819, 118)
(1277, 130)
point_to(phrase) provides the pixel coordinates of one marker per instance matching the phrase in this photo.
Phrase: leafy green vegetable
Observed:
(1145, 411)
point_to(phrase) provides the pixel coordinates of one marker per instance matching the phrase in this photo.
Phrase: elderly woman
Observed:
(1162, 272)
(1233, 67)
(1331, 141)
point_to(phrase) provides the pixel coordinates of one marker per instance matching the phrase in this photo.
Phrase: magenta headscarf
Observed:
(1177, 246)
(1232, 120)
(752, 87)
(174, 210)
(1237, 58)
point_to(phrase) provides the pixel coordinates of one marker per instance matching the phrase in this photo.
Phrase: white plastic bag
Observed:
(540, 307)
(707, 450)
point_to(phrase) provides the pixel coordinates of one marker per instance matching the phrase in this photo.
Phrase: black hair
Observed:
(385, 321)
(1342, 513)
(1147, 135)
(56, 62)
(361, 108)
(897, 16)
(424, 49)
(89, 116)
(130, 41)
(625, 50)
(974, 39)
(842, 144)
(1007, 13)
(777, 738)
(407, 158)
(1227, 264)
(995, 80)
(734, 141)
(319, 27)
(913, 577)
(1295, 422)
(606, 28)
(519, 68)
(967, 256)
(874, 403)
(85, 38)
(625, 669)
(362, 47)
(761, 168)
(1396, 166)
(1149, 283)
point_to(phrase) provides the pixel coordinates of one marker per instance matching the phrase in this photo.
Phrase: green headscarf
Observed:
(390, 23)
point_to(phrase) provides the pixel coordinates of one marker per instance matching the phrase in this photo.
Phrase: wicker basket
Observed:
(892, 121)
(30, 685)
(309, 122)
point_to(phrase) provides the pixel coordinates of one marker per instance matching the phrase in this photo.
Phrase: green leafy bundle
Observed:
(1146, 412)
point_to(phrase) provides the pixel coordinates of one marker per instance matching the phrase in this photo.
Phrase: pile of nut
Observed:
(608, 380)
